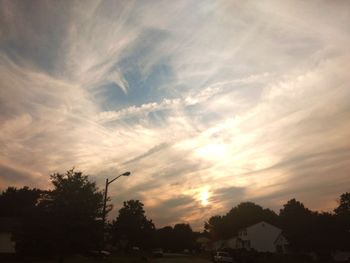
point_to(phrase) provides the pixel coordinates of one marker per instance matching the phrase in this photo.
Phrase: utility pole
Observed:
(105, 204)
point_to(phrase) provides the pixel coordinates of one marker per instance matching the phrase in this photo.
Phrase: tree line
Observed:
(68, 219)
(305, 230)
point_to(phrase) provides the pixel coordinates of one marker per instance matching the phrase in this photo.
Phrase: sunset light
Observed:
(206, 103)
(213, 152)
(204, 197)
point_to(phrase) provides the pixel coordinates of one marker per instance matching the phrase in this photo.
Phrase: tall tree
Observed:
(74, 207)
(343, 208)
(18, 203)
(133, 225)
(21, 207)
(342, 213)
(183, 237)
(243, 215)
(215, 226)
(296, 221)
(164, 238)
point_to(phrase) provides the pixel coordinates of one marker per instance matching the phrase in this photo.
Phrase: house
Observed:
(7, 243)
(232, 243)
(262, 237)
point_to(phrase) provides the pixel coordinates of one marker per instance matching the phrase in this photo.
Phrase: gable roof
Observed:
(258, 224)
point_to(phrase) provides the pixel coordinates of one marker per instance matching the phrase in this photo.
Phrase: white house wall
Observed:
(262, 237)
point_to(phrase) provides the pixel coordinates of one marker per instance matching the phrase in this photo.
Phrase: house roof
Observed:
(258, 224)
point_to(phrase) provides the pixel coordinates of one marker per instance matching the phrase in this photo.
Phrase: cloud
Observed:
(148, 153)
(228, 195)
(249, 101)
(172, 210)
(165, 104)
(16, 176)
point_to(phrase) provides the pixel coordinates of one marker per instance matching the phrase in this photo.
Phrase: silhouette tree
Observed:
(183, 237)
(246, 214)
(342, 213)
(133, 225)
(310, 231)
(164, 238)
(343, 208)
(241, 216)
(215, 226)
(19, 206)
(175, 239)
(60, 221)
(17, 203)
(74, 207)
(296, 220)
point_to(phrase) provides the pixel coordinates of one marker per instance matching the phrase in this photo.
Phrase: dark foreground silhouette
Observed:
(67, 220)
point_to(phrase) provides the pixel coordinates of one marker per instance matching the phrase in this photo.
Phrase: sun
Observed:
(204, 197)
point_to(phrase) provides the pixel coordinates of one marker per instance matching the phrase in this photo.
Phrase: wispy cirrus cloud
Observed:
(248, 101)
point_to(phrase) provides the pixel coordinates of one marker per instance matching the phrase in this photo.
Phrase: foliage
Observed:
(67, 220)
(164, 238)
(304, 229)
(73, 207)
(307, 230)
(295, 219)
(177, 238)
(133, 225)
(344, 205)
(21, 207)
(183, 237)
(64, 220)
(18, 202)
(342, 213)
(238, 217)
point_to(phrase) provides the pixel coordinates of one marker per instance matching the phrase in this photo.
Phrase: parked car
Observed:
(221, 256)
(157, 252)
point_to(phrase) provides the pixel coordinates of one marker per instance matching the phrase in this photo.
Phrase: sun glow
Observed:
(213, 151)
(204, 197)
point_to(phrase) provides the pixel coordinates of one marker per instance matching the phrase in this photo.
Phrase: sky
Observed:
(207, 103)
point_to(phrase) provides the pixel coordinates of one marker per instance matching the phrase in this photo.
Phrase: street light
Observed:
(105, 199)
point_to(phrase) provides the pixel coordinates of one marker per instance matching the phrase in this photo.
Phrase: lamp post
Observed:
(105, 200)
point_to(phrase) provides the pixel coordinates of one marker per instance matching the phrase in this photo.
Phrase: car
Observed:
(222, 256)
(157, 252)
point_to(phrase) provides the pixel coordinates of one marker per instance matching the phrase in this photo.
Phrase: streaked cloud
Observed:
(244, 100)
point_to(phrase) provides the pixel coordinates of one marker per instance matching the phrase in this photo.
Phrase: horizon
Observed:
(207, 104)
